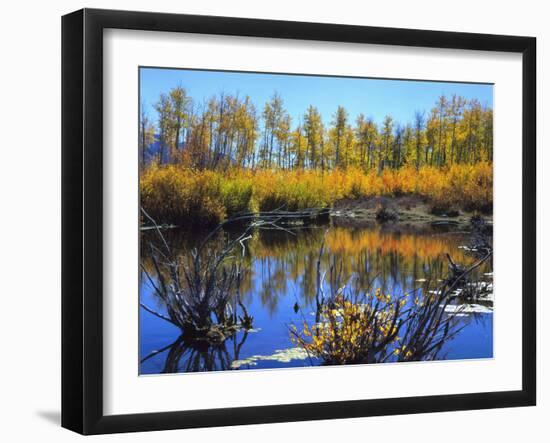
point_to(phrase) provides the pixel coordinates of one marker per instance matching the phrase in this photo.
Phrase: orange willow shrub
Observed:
(174, 194)
(478, 190)
(293, 190)
(466, 186)
(171, 194)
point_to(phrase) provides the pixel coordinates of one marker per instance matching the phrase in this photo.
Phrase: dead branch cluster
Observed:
(411, 327)
(200, 291)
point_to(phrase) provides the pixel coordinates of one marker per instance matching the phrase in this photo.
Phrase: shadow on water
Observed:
(278, 281)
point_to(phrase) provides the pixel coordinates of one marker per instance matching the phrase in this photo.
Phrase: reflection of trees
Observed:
(273, 276)
(198, 356)
(355, 325)
(273, 262)
(392, 259)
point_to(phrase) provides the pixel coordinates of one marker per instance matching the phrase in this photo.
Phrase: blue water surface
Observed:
(280, 286)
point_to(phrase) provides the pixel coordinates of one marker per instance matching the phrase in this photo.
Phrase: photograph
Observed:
(299, 220)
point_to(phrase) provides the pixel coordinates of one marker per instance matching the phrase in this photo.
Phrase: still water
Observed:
(278, 290)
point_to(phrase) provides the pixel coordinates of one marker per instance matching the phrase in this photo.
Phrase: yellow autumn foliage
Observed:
(177, 194)
(347, 332)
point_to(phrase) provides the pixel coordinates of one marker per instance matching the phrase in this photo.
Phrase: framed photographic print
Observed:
(270, 221)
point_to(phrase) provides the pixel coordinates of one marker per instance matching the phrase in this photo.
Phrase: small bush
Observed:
(236, 196)
(172, 195)
(386, 214)
(346, 332)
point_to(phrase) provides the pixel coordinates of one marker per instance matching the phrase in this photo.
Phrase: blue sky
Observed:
(375, 98)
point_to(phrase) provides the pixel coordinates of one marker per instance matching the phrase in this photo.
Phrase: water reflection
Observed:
(279, 275)
(198, 356)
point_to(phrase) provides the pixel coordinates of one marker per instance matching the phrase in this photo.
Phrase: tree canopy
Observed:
(231, 131)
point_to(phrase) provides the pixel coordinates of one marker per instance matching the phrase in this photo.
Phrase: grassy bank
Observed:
(174, 194)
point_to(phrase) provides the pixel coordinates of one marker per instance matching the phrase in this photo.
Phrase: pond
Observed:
(278, 290)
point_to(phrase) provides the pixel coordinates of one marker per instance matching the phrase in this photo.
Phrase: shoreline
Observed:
(405, 210)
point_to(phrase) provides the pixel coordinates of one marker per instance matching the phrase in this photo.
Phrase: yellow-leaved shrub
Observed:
(177, 194)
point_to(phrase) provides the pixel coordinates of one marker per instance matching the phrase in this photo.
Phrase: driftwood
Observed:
(201, 291)
(456, 272)
(480, 246)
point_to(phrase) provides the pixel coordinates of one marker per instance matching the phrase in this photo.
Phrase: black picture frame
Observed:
(82, 231)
